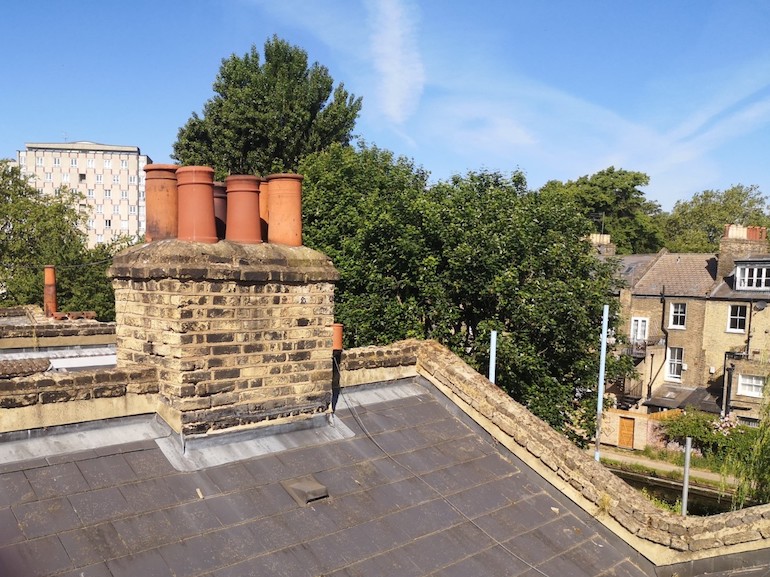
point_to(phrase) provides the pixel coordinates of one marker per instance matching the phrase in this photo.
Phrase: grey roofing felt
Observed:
(422, 491)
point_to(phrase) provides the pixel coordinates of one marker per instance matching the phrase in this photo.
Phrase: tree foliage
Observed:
(613, 201)
(266, 116)
(460, 258)
(696, 225)
(38, 230)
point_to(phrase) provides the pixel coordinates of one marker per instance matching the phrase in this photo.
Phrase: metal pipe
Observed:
(686, 480)
(492, 355)
(600, 395)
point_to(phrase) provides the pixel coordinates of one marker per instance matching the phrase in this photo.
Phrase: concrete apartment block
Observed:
(110, 178)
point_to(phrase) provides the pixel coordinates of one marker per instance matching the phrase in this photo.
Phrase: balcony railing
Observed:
(637, 348)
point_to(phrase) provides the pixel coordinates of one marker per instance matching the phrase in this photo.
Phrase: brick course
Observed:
(241, 334)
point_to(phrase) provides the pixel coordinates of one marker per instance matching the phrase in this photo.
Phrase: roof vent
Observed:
(305, 490)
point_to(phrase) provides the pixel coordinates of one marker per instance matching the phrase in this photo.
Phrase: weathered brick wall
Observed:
(677, 545)
(48, 399)
(241, 334)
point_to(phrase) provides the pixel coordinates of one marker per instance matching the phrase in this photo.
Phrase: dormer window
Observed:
(752, 277)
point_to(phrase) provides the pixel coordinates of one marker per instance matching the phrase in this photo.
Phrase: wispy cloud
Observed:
(396, 57)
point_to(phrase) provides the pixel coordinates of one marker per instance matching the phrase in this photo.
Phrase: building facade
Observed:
(698, 328)
(110, 178)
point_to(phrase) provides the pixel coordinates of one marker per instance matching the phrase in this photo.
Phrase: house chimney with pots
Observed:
(241, 332)
(740, 242)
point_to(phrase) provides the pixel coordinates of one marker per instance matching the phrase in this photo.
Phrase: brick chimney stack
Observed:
(740, 242)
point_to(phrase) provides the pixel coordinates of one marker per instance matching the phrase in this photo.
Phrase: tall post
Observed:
(600, 390)
(492, 355)
(686, 480)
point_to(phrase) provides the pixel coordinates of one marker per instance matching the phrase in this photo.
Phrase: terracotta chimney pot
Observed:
(337, 336)
(263, 210)
(220, 209)
(49, 290)
(195, 185)
(284, 208)
(243, 223)
(161, 201)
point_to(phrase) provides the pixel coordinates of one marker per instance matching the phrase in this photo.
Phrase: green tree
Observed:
(696, 225)
(266, 116)
(457, 259)
(360, 209)
(37, 230)
(612, 199)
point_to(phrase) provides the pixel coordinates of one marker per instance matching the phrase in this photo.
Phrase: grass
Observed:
(660, 474)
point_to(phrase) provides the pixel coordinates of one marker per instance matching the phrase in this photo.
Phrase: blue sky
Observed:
(557, 88)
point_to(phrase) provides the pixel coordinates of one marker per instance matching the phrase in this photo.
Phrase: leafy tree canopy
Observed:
(457, 259)
(696, 225)
(612, 199)
(38, 230)
(266, 116)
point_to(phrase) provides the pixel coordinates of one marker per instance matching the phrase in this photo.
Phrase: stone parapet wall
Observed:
(676, 545)
(241, 334)
(49, 399)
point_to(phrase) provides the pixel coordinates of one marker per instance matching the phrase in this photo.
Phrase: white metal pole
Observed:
(686, 480)
(600, 395)
(492, 355)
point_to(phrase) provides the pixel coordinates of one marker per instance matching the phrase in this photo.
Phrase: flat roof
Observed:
(415, 488)
(81, 145)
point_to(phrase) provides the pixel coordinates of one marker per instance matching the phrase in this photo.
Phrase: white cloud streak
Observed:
(396, 58)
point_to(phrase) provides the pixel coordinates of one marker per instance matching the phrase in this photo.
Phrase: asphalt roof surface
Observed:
(421, 491)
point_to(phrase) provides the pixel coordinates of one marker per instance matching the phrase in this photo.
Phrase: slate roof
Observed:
(415, 489)
(682, 274)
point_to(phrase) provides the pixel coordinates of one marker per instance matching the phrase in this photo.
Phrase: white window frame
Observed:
(74, 162)
(39, 161)
(49, 177)
(116, 209)
(107, 223)
(752, 278)
(99, 178)
(90, 162)
(736, 319)
(674, 363)
(115, 179)
(123, 164)
(751, 386)
(57, 161)
(132, 179)
(65, 177)
(677, 311)
(107, 163)
(107, 193)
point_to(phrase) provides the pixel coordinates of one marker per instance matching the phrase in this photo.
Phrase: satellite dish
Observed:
(760, 305)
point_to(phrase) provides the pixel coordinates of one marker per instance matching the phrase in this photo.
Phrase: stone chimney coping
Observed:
(224, 260)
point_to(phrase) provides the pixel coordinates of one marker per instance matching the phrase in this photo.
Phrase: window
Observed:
(107, 223)
(141, 179)
(737, 321)
(639, 335)
(141, 195)
(116, 209)
(132, 179)
(132, 209)
(22, 159)
(99, 238)
(751, 385)
(674, 363)
(57, 161)
(107, 163)
(81, 177)
(123, 164)
(91, 223)
(90, 163)
(108, 193)
(65, 177)
(677, 314)
(90, 193)
(39, 161)
(99, 208)
(115, 179)
(124, 225)
(74, 162)
(752, 278)
(48, 176)
(99, 179)
(123, 194)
